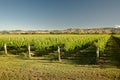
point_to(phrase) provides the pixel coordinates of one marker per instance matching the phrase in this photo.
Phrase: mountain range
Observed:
(66, 31)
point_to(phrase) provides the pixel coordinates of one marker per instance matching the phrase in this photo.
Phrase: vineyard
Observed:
(42, 42)
(52, 42)
(98, 50)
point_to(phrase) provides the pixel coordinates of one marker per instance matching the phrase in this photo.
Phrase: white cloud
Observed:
(117, 26)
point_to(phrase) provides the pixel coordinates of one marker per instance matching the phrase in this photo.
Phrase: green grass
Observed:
(15, 68)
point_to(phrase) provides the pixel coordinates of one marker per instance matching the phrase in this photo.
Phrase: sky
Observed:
(58, 14)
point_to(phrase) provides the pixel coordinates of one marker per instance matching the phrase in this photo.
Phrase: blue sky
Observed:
(58, 14)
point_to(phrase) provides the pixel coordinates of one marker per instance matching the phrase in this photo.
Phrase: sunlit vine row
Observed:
(45, 41)
(102, 42)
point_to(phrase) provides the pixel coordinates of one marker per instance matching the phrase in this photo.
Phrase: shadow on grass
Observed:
(84, 57)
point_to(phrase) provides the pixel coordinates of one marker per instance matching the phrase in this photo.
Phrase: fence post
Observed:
(29, 53)
(59, 57)
(97, 54)
(5, 48)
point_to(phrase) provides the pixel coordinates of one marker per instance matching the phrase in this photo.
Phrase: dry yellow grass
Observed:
(14, 68)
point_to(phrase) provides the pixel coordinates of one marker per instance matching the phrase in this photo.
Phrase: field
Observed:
(59, 57)
(13, 68)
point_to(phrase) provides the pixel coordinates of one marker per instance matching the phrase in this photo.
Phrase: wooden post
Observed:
(29, 53)
(97, 54)
(59, 57)
(5, 48)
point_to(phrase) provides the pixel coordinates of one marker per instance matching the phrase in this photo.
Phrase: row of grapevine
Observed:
(45, 41)
(117, 36)
(102, 42)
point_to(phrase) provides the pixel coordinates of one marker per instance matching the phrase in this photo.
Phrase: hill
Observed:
(71, 30)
